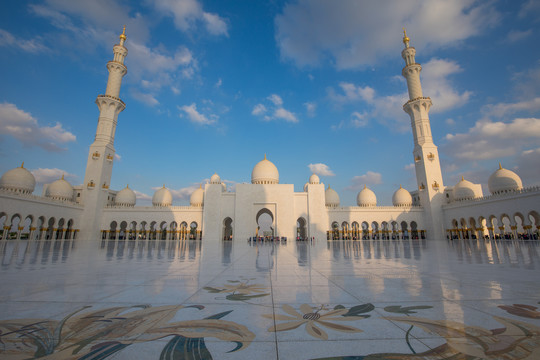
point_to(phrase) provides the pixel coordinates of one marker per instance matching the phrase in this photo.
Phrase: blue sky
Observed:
(316, 85)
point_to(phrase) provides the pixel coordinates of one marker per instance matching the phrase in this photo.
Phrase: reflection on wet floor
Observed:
(140, 299)
(472, 251)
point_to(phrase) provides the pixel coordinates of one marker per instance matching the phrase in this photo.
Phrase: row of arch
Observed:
(494, 227)
(384, 230)
(152, 230)
(33, 227)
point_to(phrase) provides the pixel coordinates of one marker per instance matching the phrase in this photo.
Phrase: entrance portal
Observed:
(265, 223)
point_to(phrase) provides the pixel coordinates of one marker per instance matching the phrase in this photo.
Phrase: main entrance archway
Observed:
(265, 223)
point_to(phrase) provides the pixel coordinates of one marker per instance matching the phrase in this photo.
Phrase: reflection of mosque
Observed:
(432, 210)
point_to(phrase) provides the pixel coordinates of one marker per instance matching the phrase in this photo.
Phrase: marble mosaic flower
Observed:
(522, 310)
(244, 288)
(516, 341)
(312, 318)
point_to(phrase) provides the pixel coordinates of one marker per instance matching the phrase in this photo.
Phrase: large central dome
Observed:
(265, 172)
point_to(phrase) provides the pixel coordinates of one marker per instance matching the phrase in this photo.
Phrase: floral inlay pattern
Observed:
(101, 333)
(312, 317)
(240, 290)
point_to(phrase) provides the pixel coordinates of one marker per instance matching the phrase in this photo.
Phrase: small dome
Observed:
(366, 197)
(125, 197)
(60, 190)
(265, 172)
(504, 180)
(197, 198)
(215, 179)
(463, 190)
(306, 186)
(402, 197)
(314, 179)
(18, 180)
(331, 197)
(162, 197)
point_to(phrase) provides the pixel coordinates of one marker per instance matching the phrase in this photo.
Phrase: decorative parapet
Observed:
(500, 196)
(41, 199)
(153, 208)
(418, 98)
(377, 208)
(112, 97)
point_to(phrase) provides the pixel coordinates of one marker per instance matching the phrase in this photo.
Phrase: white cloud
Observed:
(218, 83)
(369, 178)
(46, 176)
(503, 109)
(358, 119)
(528, 163)
(33, 46)
(409, 167)
(187, 13)
(142, 196)
(276, 108)
(489, 140)
(147, 99)
(117, 157)
(517, 35)
(357, 33)
(436, 85)
(281, 113)
(276, 99)
(196, 117)
(311, 107)
(321, 169)
(24, 127)
(258, 109)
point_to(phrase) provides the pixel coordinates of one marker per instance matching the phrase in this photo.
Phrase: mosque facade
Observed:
(432, 210)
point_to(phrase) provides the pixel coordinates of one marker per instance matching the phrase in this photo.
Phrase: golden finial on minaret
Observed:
(264, 156)
(123, 35)
(22, 165)
(500, 166)
(462, 179)
(405, 38)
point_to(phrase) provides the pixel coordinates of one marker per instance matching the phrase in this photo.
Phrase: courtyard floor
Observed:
(368, 299)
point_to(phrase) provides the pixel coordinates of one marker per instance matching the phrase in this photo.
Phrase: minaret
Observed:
(101, 155)
(426, 156)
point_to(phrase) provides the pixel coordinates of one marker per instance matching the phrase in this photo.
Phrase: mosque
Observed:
(432, 210)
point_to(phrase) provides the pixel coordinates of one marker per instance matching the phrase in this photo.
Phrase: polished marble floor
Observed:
(369, 299)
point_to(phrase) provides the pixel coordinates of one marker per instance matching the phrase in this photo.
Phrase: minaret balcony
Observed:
(111, 97)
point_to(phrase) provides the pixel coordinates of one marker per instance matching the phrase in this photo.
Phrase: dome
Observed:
(402, 197)
(314, 179)
(18, 180)
(197, 198)
(265, 172)
(125, 197)
(60, 190)
(215, 179)
(463, 190)
(366, 197)
(162, 197)
(331, 197)
(504, 180)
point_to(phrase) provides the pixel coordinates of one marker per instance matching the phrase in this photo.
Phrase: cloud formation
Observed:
(356, 33)
(275, 111)
(24, 127)
(321, 169)
(196, 117)
(34, 45)
(187, 14)
(369, 178)
(388, 110)
(46, 176)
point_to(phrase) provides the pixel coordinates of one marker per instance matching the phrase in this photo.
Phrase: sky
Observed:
(213, 86)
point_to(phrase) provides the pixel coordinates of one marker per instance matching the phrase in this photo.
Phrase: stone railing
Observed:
(153, 208)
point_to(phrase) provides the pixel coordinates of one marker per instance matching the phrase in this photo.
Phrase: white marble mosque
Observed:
(433, 210)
